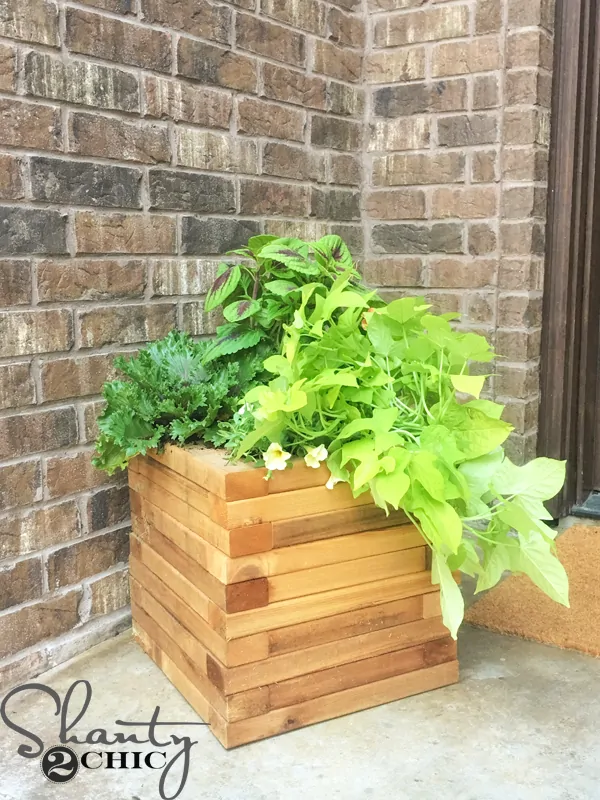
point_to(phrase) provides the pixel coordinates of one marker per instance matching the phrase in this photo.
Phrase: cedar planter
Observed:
(271, 605)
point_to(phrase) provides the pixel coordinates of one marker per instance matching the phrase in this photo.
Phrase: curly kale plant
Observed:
(171, 395)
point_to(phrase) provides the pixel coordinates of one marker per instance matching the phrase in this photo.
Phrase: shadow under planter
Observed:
(272, 605)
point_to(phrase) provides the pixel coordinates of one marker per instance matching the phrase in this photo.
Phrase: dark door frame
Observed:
(569, 363)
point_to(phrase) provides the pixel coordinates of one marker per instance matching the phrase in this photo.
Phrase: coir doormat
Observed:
(516, 606)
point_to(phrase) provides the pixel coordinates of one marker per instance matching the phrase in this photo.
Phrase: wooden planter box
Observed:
(272, 605)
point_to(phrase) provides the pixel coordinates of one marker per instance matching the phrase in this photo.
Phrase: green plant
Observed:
(171, 395)
(312, 364)
(387, 393)
(259, 297)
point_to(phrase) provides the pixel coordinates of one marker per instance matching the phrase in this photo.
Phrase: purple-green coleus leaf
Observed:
(241, 309)
(225, 283)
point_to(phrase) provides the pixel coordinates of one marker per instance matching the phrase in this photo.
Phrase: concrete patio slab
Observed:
(523, 724)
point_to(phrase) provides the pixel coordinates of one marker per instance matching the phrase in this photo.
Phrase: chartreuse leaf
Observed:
(476, 434)
(406, 308)
(423, 468)
(453, 605)
(391, 487)
(228, 277)
(479, 472)
(439, 520)
(545, 570)
(381, 422)
(469, 384)
(380, 335)
(489, 408)
(498, 563)
(540, 479)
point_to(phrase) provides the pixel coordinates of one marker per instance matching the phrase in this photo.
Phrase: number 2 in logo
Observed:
(59, 764)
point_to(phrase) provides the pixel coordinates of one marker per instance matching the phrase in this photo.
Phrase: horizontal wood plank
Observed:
(292, 505)
(340, 704)
(313, 527)
(325, 604)
(279, 668)
(346, 573)
(354, 673)
(341, 626)
(232, 653)
(210, 612)
(211, 470)
(235, 543)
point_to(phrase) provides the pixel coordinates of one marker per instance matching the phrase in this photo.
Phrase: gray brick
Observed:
(81, 183)
(27, 230)
(215, 236)
(187, 191)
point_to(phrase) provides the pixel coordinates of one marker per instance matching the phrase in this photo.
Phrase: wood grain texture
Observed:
(275, 604)
(326, 604)
(307, 713)
(234, 543)
(210, 469)
(281, 667)
(293, 558)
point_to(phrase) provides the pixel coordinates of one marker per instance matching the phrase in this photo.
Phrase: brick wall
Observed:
(141, 138)
(138, 140)
(456, 167)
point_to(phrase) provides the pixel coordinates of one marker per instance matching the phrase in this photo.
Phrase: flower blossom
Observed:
(275, 457)
(314, 457)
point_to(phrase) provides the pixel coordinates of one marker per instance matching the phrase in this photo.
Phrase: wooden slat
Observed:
(275, 562)
(290, 505)
(341, 626)
(279, 668)
(211, 470)
(231, 598)
(192, 494)
(346, 676)
(295, 681)
(259, 592)
(284, 613)
(432, 606)
(210, 612)
(257, 510)
(256, 647)
(340, 704)
(345, 573)
(324, 604)
(231, 654)
(341, 548)
(302, 714)
(313, 527)
(239, 542)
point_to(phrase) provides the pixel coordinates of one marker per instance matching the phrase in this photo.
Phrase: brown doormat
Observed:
(518, 607)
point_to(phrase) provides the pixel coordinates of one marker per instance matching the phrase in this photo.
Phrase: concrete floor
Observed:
(524, 723)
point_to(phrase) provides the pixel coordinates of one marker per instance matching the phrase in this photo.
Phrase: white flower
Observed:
(275, 457)
(314, 457)
(332, 482)
(298, 321)
(243, 408)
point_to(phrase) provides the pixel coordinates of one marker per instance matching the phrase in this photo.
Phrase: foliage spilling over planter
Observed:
(310, 363)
